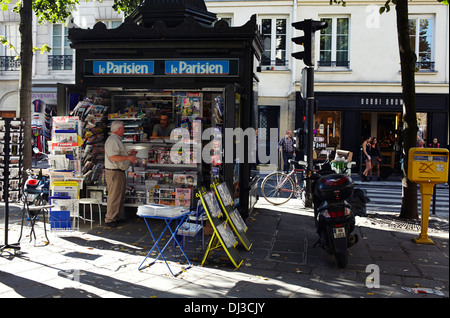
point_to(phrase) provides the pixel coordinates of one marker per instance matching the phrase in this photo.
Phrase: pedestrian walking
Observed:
(286, 147)
(375, 154)
(367, 159)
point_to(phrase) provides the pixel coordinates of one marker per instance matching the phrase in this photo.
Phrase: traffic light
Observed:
(309, 27)
(299, 139)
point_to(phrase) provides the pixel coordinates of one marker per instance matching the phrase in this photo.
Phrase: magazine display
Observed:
(238, 221)
(213, 205)
(92, 114)
(65, 152)
(224, 194)
(227, 234)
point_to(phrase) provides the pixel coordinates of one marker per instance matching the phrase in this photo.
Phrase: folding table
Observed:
(179, 219)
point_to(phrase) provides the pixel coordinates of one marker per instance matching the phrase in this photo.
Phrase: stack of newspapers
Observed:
(153, 209)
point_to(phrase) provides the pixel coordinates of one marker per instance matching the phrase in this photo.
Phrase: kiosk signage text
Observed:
(197, 67)
(161, 68)
(123, 67)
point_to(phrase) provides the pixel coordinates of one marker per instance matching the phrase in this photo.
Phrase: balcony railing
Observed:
(60, 62)
(345, 64)
(9, 63)
(268, 64)
(425, 66)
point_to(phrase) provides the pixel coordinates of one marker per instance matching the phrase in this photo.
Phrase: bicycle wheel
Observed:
(277, 188)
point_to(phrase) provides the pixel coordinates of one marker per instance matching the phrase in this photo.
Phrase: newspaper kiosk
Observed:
(165, 49)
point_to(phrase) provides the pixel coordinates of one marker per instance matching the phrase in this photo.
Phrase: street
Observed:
(387, 197)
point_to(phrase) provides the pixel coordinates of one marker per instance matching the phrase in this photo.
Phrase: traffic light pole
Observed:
(309, 27)
(310, 105)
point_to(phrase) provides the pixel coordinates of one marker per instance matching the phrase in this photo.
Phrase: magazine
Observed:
(238, 221)
(212, 204)
(179, 179)
(224, 194)
(152, 195)
(226, 234)
(191, 180)
(183, 197)
(189, 229)
(167, 196)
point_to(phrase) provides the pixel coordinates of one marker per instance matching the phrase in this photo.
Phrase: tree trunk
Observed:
(408, 64)
(26, 60)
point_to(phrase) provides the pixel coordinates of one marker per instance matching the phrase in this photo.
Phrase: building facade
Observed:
(357, 68)
(357, 71)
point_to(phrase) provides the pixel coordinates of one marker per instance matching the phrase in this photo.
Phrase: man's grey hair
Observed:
(116, 125)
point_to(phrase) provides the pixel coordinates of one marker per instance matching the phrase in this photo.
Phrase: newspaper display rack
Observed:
(66, 173)
(232, 214)
(222, 236)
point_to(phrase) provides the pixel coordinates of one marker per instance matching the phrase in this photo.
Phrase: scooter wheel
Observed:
(341, 260)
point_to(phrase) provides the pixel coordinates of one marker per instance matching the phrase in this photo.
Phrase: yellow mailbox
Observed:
(427, 167)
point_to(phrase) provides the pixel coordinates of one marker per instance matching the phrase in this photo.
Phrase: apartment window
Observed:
(111, 24)
(12, 34)
(227, 19)
(334, 43)
(274, 38)
(421, 37)
(8, 60)
(61, 58)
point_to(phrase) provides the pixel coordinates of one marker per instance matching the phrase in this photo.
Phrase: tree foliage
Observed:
(46, 11)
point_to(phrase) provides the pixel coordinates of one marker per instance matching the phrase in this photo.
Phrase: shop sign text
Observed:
(381, 101)
(123, 67)
(197, 67)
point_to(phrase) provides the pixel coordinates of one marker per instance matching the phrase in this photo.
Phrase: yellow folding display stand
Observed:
(233, 216)
(427, 167)
(222, 236)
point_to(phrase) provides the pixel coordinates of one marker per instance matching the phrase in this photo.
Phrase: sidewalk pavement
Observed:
(282, 263)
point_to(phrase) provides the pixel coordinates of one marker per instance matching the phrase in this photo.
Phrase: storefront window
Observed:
(422, 128)
(327, 132)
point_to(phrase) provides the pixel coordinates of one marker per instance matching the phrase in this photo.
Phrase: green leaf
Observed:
(4, 7)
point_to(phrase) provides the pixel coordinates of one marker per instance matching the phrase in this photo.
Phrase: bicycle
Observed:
(279, 187)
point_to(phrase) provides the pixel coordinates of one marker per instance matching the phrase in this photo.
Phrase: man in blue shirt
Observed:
(286, 146)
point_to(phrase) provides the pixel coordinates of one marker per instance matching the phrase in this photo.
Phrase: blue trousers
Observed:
(286, 157)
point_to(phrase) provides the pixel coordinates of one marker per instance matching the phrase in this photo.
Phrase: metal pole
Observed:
(309, 132)
(434, 199)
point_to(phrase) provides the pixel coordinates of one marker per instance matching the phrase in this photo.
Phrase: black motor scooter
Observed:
(334, 219)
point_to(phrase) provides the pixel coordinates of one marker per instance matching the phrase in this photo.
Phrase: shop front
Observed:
(343, 119)
(168, 59)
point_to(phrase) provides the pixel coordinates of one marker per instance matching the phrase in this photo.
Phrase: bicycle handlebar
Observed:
(300, 162)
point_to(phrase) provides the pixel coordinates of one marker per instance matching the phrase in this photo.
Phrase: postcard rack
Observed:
(11, 161)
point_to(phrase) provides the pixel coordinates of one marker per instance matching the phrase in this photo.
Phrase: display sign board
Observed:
(178, 68)
(232, 214)
(223, 235)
